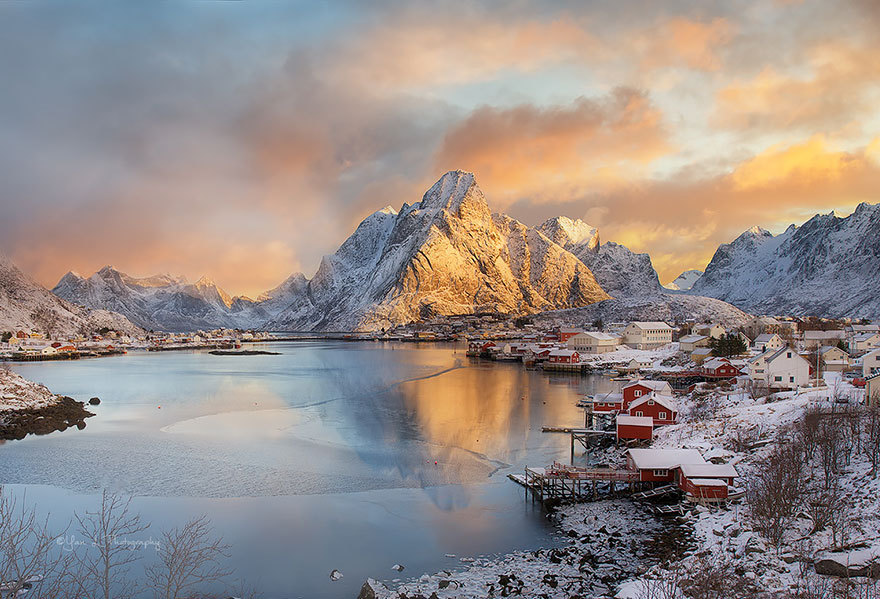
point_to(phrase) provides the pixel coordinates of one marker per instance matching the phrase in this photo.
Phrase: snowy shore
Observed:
(30, 408)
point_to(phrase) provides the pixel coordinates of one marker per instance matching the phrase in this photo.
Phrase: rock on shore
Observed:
(30, 408)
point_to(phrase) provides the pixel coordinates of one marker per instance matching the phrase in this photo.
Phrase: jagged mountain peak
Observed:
(570, 232)
(454, 191)
(824, 267)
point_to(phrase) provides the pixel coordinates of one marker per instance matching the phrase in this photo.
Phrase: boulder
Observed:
(94, 401)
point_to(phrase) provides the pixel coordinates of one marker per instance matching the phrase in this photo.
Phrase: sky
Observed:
(245, 140)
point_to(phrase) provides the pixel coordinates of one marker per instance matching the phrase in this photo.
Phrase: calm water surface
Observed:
(353, 456)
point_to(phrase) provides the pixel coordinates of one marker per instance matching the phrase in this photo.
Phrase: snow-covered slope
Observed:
(664, 307)
(163, 302)
(685, 280)
(26, 305)
(620, 272)
(446, 254)
(829, 266)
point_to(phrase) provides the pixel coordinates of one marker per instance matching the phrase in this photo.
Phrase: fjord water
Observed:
(333, 455)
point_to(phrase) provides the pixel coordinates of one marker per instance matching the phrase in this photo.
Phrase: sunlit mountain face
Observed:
(247, 143)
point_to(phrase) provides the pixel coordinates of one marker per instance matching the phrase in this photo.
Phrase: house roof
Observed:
(716, 362)
(835, 334)
(702, 351)
(665, 459)
(563, 352)
(827, 348)
(692, 338)
(600, 336)
(765, 337)
(655, 385)
(666, 401)
(650, 324)
(709, 470)
(707, 482)
(864, 336)
(608, 398)
(627, 420)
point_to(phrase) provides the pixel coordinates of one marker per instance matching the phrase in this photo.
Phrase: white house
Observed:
(637, 364)
(863, 342)
(872, 390)
(766, 341)
(689, 343)
(591, 342)
(780, 369)
(647, 335)
(716, 331)
(833, 358)
(816, 339)
(871, 363)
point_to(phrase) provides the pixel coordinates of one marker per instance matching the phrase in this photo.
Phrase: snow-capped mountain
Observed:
(829, 266)
(685, 280)
(620, 271)
(447, 254)
(168, 303)
(27, 305)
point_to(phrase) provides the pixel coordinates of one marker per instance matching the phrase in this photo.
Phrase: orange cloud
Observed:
(839, 86)
(682, 41)
(528, 151)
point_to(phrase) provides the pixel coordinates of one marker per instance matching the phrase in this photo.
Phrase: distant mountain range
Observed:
(26, 305)
(448, 254)
(829, 266)
(685, 280)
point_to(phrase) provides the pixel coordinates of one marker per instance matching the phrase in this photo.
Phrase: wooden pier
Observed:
(561, 482)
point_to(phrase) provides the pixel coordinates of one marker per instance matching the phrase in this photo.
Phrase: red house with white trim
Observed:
(564, 356)
(606, 404)
(662, 409)
(634, 427)
(637, 389)
(720, 368)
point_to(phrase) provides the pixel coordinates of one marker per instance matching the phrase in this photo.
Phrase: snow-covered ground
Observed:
(18, 393)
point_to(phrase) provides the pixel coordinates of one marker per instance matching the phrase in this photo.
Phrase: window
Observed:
(650, 402)
(778, 379)
(661, 472)
(640, 413)
(638, 393)
(662, 415)
(791, 379)
(788, 354)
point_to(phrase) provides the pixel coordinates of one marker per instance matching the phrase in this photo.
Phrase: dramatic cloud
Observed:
(533, 151)
(244, 142)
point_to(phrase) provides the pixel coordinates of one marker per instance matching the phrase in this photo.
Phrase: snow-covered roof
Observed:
(627, 420)
(709, 470)
(864, 336)
(692, 338)
(655, 385)
(715, 363)
(702, 351)
(708, 482)
(665, 459)
(666, 401)
(650, 324)
(563, 352)
(600, 336)
(608, 397)
(836, 334)
(765, 338)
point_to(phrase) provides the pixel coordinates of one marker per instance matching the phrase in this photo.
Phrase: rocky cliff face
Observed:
(446, 254)
(620, 271)
(27, 305)
(829, 266)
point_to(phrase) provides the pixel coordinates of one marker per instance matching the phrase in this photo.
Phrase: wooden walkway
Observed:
(561, 482)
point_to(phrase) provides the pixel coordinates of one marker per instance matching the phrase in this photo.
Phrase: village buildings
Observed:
(647, 335)
(780, 369)
(592, 342)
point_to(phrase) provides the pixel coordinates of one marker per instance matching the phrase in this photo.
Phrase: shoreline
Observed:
(28, 408)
